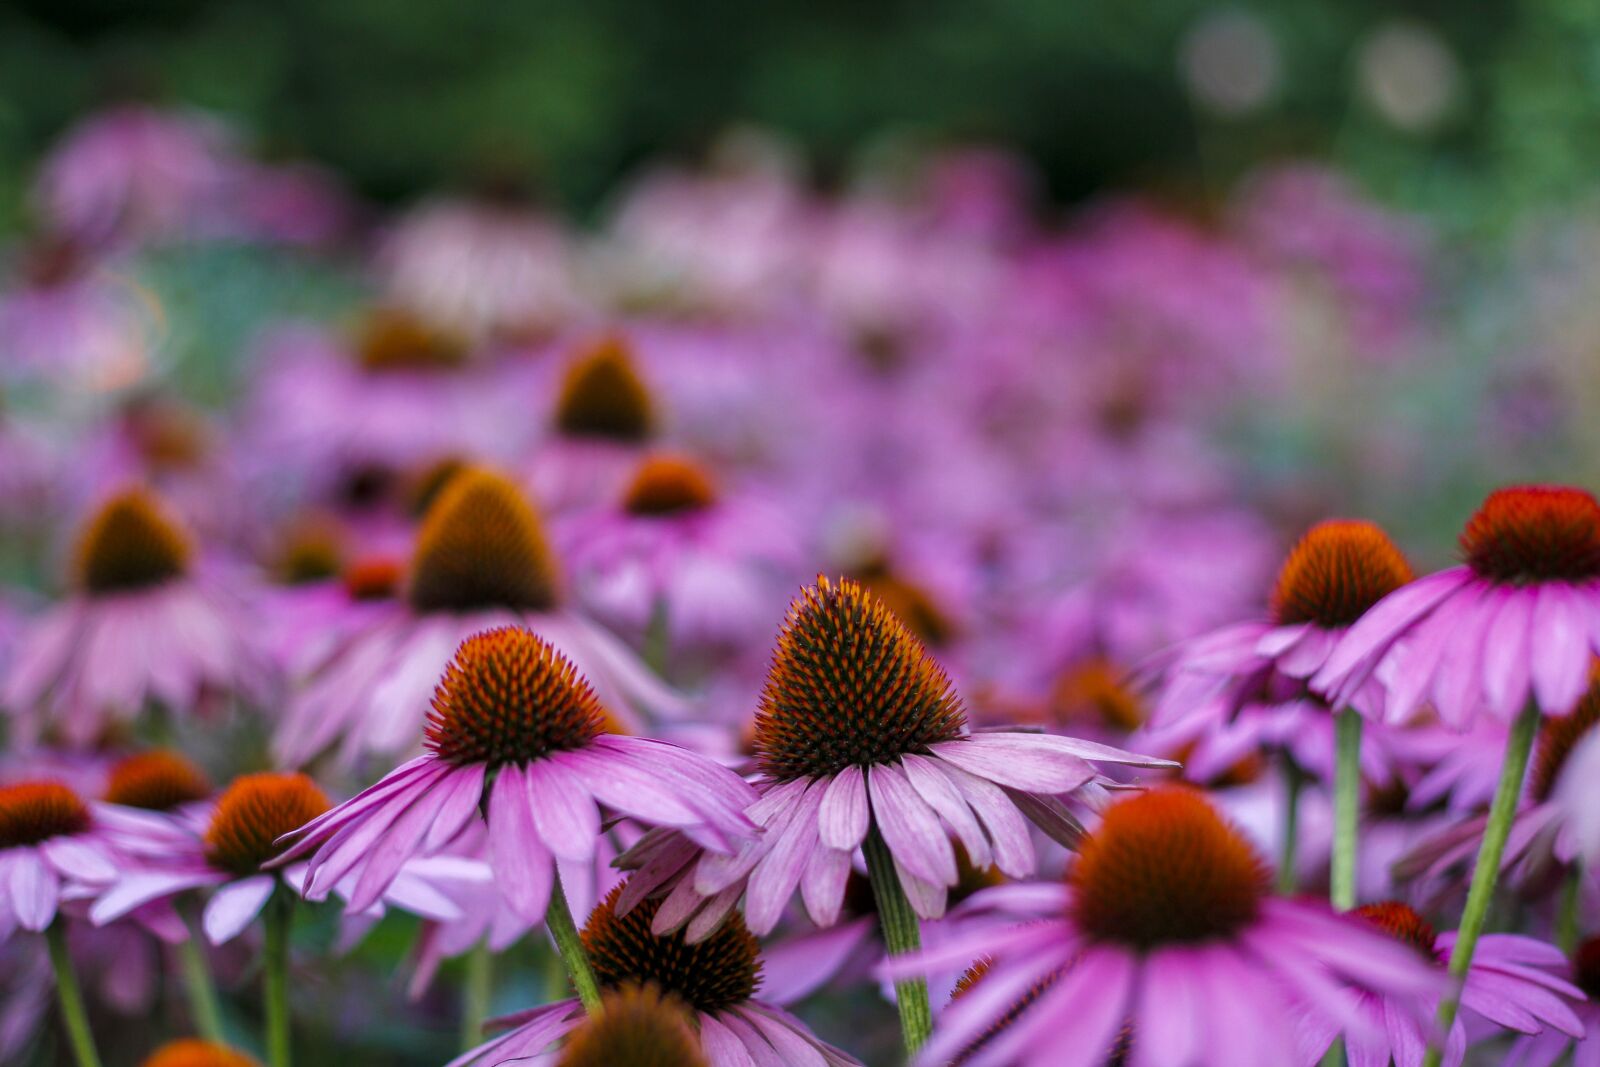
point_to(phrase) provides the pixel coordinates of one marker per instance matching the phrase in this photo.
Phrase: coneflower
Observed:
(861, 742)
(605, 416)
(680, 557)
(146, 624)
(52, 848)
(637, 1028)
(1164, 934)
(716, 980)
(1509, 633)
(1245, 688)
(518, 738)
(481, 561)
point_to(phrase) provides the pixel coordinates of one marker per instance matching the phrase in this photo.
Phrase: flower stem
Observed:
(70, 995)
(1346, 796)
(658, 638)
(204, 1011)
(1486, 871)
(558, 917)
(476, 995)
(1293, 779)
(1567, 916)
(278, 917)
(901, 935)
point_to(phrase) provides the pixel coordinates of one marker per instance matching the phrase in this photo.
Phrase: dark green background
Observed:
(403, 96)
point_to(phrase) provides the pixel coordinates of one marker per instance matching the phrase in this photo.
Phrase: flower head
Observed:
(666, 485)
(158, 780)
(638, 1027)
(35, 812)
(1534, 533)
(482, 546)
(50, 848)
(710, 975)
(849, 687)
(602, 395)
(391, 339)
(1162, 869)
(1512, 623)
(131, 543)
(508, 697)
(1339, 569)
(253, 813)
(192, 1052)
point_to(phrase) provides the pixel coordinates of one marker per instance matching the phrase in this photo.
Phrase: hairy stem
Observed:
(1486, 872)
(558, 917)
(902, 935)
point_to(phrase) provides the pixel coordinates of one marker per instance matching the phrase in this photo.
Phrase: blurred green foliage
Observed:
(410, 96)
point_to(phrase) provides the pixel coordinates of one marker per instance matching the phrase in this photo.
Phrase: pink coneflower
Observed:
(227, 853)
(74, 323)
(1514, 982)
(679, 549)
(146, 624)
(1164, 934)
(481, 561)
(1547, 1048)
(487, 268)
(1334, 575)
(717, 979)
(1513, 623)
(604, 416)
(1548, 833)
(860, 739)
(50, 843)
(133, 172)
(517, 732)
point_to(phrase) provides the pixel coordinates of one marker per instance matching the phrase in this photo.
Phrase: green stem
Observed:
(70, 995)
(476, 995)
(658, 638)
(1346, 797)
(204, 1010)
(1567, 916)
(558, 917)
(279, 916)
(1293, 779)
(902, 935)
(1486, 872)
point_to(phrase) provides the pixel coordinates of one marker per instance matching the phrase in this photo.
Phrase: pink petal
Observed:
(1506, 651)
(1560, 647)
(936, 791)
(523, 868)
(842, 819)
(909, 827)
(777, 875)
(235, 905)
(563, 811)
(1014, 761)
(35, 890)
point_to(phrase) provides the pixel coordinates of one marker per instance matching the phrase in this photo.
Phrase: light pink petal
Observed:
(141, 887)
(793, 1049)
(35, 890)
(1035, 769)
(936, 790)
(458, 800)
(777, 875)
(563, 811)
(721, 1046)
(796, 967)
(754, 1042)
(1007, 829)
(388, 853)
(79, 860)
(1354, 656)
(1077, 1018)
(843, 817)
(909, 827)
(1170, 1021)
(1560, 647)
(1506, 652)
(927, 899)
(523, 868)
(235, 905)
(822, 884)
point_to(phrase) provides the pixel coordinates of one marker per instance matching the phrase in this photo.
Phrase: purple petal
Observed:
(35, 890)
(1561, 655)
(563, 811)
(523, 868)
(935, 789)
(1506, 652)
(235, 905)
(1015, 762)
(777, 875)
(909, 827)
(822, 884)
(842, 819)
